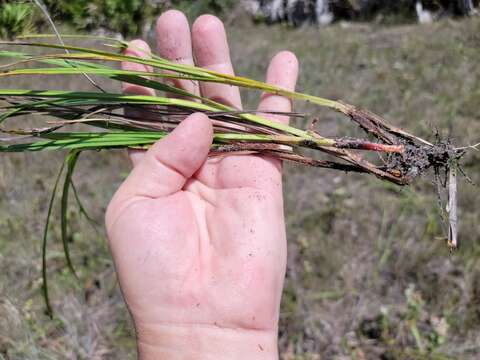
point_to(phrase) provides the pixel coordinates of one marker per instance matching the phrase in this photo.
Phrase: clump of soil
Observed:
(408, 156)
(415, 160)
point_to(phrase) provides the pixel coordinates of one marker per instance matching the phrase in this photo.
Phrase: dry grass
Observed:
(356, 244)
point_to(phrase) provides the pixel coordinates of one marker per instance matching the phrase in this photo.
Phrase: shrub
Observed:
(15, 18)
(124, 16)
(127, 17)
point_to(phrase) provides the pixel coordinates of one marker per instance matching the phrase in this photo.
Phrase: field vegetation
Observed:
(369, 273)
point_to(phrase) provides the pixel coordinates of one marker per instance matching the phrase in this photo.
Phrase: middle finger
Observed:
(211, 51)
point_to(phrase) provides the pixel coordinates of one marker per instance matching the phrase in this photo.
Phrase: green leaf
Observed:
(70, 162)
(44, 244)
(82, 209)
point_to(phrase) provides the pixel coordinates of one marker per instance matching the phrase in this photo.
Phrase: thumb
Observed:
(170, 162)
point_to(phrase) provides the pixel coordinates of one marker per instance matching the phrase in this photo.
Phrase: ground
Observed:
(369, 273)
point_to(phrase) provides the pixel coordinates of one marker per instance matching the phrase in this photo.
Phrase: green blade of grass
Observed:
(47, 59)
(44, 244)
(93, 98)
(136, 80)
(91, 71)
(103, 140)
(82, 208)
(70, 161)
(191, 72)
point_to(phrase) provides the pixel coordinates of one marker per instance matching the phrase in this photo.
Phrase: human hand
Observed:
(199, 243)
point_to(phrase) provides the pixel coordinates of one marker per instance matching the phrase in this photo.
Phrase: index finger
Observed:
(140, 49)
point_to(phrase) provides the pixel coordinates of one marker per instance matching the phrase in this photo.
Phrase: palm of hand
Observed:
(212, 253)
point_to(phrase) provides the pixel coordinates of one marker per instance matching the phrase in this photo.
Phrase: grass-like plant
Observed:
(15, 18)
(402, 156)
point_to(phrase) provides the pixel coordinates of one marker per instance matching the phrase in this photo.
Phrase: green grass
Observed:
(15, 18)
(356, 244)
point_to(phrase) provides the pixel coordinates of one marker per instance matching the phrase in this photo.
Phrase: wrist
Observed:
(200, 342)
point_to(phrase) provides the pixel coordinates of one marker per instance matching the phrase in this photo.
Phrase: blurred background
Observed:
(369, 273)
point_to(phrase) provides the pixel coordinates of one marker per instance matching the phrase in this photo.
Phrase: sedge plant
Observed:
(404, 156)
